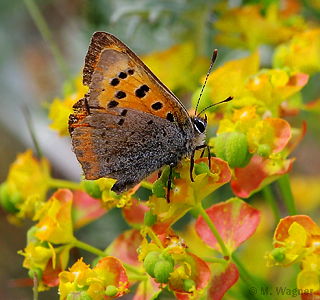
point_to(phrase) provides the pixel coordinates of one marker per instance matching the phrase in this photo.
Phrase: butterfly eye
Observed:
(199, 125)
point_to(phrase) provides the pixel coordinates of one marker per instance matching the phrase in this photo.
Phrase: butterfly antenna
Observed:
(214, 104)
(214, 57)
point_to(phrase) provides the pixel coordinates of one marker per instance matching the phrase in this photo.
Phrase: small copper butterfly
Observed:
(129, 124)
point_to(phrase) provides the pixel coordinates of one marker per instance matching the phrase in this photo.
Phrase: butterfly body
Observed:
(129, 124)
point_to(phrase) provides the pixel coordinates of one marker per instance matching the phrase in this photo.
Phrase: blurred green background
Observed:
(30, 77)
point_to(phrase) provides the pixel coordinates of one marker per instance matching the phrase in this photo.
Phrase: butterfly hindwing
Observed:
(127, 145)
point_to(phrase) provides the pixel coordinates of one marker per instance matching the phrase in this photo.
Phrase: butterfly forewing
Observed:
(117, 77)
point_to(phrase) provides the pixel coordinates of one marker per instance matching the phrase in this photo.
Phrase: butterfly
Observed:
(129, 124)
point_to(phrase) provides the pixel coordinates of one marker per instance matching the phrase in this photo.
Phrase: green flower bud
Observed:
(264, 150)
(111, 291)
(201, 168)
(150, 261)
(38, 271)
(158, 188)
(92, 188)
(188, 284)
(236, 149)
(246, 160)
(220, 145)
(162, 270)
(278, 254)
(84, 296)
(9, 201)
(149, 218)
(78, 295)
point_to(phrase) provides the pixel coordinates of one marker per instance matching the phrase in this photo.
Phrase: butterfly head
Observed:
(199, 126)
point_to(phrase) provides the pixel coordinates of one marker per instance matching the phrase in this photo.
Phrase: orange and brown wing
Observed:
(118, 78)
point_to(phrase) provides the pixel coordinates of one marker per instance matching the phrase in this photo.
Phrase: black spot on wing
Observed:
(113, 104)
(122, 75)
(157, 105)
(170, 117)
(114, 81)
(120, 94)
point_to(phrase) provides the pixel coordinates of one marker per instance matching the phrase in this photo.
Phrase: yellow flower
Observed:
(55, 223)
(61, 109)
(28, 177)
(246, 27)
(302, 54)
(36, 256)
(229, 79)
(178, 67)
(274, 86)
(108, 271)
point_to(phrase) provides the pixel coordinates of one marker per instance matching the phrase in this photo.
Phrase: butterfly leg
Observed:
(192, 165)
(169, 182)
(204, 147)
(202, 153)
(209, 156)
(159, 174)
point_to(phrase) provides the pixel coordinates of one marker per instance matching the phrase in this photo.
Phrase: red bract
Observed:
(112, 271)
(125, 247)
(281, 133)
(85, 209)
(310, 297)
(223, 278)
(235, 221)
(257, 174)
(134, 214)
(282, 230)
(261, 172)
(200, 275)
(296, 138)
(51, 275)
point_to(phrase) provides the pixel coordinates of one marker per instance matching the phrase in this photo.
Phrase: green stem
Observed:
(89, 248)
(214, 260)
(138, 277)
(285, 188)
(269, 197)
(248, 280)
(214, 230)
(146, 185)
(35, 286)
(60, 183)
(98, 252)
(46, 35)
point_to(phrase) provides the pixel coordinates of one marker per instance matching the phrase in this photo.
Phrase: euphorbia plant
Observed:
(250, 141)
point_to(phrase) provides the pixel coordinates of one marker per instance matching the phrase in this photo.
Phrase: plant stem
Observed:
(35, 286)
(269, 197)
(146, 185)
(214, 260)
(215, 232)
(89, 248)
(138, 277)
(285, 188)
(60, 183)
(47, 36)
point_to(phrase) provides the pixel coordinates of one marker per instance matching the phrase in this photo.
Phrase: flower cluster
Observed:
(296, 241)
